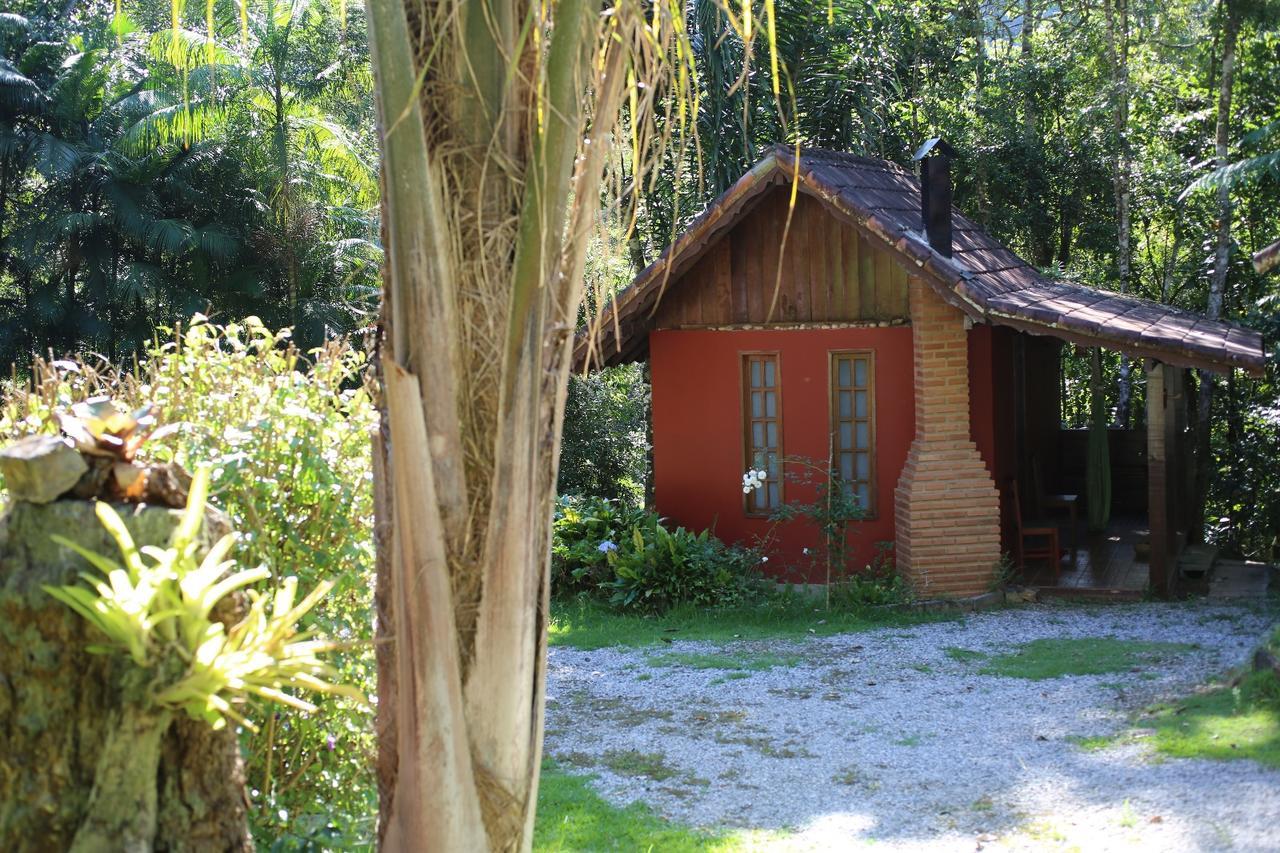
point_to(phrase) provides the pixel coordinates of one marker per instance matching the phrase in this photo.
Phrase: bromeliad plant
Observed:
(157, 608)
(160, 613)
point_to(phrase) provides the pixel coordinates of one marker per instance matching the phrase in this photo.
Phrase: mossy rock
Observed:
(57, 700)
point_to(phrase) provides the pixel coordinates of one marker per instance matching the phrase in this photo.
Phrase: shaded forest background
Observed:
(146, 176)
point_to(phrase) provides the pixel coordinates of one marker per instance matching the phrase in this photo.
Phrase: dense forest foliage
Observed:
(148, 172)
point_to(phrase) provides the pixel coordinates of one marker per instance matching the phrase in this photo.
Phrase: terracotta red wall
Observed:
(698, 453)
(991, 411)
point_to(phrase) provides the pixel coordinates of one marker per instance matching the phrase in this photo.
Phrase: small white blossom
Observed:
(806, 551)
(764, 559)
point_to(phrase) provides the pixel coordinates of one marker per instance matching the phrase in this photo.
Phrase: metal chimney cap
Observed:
(929, 145)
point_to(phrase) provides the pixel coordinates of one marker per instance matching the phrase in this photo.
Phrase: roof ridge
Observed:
(840, 158)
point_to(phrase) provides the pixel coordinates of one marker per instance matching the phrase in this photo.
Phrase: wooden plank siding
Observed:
(826, 273)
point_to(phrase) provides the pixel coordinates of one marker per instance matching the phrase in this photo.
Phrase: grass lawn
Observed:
(1224, 724)
(572, 817)
(1044, 659)
(585, 625)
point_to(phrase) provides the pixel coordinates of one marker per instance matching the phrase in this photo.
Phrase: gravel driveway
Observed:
(895, 736)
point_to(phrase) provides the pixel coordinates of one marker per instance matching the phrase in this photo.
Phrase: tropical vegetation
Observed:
(221, 160)
(148, 172)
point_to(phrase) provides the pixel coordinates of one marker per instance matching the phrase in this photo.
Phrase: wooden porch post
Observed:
(1157, 480)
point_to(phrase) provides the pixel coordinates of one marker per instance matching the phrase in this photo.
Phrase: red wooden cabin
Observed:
(921, 361)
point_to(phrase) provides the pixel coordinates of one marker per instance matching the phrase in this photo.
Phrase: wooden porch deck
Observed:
(1094, 563)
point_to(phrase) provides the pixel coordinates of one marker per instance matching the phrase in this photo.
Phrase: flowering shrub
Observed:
(587, 531)
(633, 560)
(837, 512)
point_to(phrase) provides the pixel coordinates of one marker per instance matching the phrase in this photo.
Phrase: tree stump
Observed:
(58, 702)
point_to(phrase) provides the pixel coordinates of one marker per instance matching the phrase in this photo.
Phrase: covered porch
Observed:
(1042, 465)
(1114, 563)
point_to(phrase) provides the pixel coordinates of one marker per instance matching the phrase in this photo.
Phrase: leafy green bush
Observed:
(630, 557)
(585, 530)
(287, 436)
(877, 585)
(661, 568)
(603, 448)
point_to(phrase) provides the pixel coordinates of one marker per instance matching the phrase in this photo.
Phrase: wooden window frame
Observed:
(745, 359)
(833, 402)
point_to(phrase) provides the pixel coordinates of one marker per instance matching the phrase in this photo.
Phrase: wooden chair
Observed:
(1036, 541)
(1045, 503)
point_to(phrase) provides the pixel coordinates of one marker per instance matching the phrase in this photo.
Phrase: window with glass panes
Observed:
(762, 407)
(853, 423)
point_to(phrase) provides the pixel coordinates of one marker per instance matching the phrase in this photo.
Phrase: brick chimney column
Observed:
(947, 508)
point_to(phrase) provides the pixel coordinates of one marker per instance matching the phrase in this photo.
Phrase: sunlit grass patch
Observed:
(589, 625)
(1097, 743)
(572, 817)
(1094, 743)
(1230, 723)
(1043, 659)
(631, 762)
(964, 655)
(736, 663)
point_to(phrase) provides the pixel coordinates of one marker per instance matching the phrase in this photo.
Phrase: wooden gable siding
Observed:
(830, 274)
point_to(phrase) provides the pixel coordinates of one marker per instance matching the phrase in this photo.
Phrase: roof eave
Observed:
(1254, 366)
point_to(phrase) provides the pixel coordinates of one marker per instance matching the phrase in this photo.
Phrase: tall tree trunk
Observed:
(1117, 15)
(1028, 73)
(492, 161)
(1221, 259)
(283, 201)
(981, 178)
(1098, 472)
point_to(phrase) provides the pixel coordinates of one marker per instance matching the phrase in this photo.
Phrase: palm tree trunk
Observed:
(474, 385)
(493, 156)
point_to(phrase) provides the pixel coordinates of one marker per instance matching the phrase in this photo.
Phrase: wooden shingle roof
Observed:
(983, 278)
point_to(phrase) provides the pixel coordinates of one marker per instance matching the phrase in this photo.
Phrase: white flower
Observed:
(805, 551)
(746, 490)
(764, 559)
